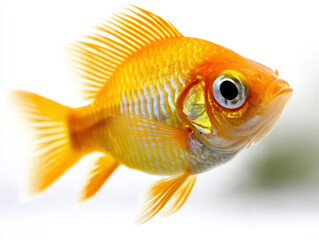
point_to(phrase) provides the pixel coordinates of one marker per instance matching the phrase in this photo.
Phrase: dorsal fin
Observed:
(112, 42)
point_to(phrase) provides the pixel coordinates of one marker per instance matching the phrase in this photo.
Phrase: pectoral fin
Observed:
(101, 171)
(165, 191)
(139, 134)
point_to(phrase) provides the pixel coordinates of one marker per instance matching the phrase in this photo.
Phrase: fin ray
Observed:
(112, 42)
(158, 195)
(135, 131)
(179, 198)
(103, 168)
(54, 153)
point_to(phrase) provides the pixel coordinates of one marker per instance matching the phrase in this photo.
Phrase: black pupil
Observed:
(228, 90)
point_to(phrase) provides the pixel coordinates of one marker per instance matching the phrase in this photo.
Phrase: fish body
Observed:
(149, 84)
(161, 103)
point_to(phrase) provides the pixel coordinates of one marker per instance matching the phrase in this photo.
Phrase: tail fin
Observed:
(54, 152)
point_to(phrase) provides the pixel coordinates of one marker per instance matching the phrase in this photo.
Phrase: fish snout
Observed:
(277, 88)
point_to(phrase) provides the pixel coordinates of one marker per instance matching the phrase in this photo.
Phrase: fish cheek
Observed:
(240, 117)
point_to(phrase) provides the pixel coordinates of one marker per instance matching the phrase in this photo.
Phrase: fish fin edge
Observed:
(159, 195)
(53, 150)
(139, 133)
(111, 43)
(180, 197)
(100, 172)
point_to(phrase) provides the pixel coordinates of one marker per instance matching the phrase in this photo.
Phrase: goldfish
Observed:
(157, 102)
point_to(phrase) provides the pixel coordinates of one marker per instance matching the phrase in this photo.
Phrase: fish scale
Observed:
(150, 78)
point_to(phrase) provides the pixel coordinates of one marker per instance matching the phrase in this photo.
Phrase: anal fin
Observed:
(171, 190)
(101, 171)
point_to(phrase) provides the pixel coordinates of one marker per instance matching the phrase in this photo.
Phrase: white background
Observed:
(280, 34)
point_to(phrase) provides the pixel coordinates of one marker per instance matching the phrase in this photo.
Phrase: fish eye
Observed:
(230, 89)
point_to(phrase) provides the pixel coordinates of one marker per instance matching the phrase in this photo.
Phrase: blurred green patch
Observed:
(288, 159)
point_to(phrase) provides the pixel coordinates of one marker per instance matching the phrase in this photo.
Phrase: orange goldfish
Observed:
(159, 102)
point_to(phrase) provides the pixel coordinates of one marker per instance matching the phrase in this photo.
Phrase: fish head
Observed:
(234, 102)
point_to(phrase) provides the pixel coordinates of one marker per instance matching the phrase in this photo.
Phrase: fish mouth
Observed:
(278, 88)
(277, 96)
